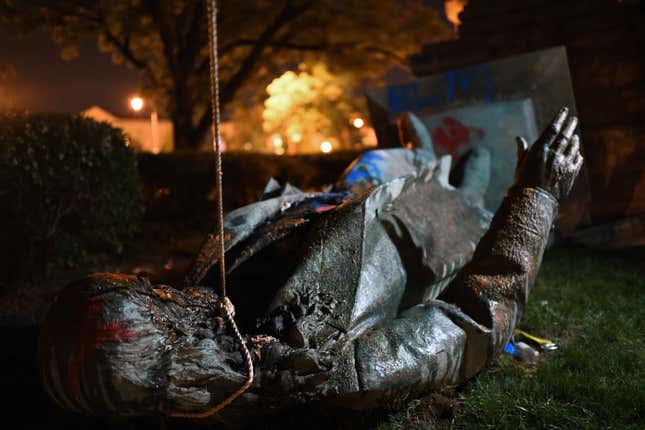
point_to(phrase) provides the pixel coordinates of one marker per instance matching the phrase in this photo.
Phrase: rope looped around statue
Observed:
(224, 305)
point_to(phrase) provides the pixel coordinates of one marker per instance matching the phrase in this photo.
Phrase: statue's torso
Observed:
(364, 261)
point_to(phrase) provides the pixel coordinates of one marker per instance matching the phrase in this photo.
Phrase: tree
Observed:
(166, 40)
(307, 108)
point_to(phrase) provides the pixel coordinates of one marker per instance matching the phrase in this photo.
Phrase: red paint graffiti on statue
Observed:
(92, 335)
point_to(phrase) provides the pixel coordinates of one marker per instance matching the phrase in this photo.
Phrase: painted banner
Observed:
(488, 104)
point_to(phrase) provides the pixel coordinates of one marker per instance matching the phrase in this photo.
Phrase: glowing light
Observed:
(136, 103)
(452, 9)
(326, 147)
(279, 150)
(296, 137)
(277, 141)
(358, 122)
(248, 146)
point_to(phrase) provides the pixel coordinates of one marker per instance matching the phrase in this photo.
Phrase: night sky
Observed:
(39, 80)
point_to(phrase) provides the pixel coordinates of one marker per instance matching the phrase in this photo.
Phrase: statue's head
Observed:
(117, 344)
(82, 333)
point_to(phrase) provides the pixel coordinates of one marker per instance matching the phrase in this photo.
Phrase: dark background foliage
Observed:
(180, 187)
(69, 189)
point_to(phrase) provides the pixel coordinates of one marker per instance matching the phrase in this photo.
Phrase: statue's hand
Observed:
(554, 160)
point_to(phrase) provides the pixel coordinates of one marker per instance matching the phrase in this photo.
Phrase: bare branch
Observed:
(123, 47)
(318, 47)
(287, 14)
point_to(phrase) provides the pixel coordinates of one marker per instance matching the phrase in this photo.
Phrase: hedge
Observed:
(69, 189)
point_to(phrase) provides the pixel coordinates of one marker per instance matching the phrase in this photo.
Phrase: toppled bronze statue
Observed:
(392, 282)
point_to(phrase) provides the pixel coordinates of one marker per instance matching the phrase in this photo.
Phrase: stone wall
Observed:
(605, 42)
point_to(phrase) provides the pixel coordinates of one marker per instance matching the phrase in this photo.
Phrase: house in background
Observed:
(144, 134)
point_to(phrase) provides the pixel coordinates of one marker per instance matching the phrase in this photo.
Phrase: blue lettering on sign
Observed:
(407, 97)
(397, 99)
(464, 78)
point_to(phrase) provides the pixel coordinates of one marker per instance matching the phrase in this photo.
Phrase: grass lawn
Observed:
(593, 305)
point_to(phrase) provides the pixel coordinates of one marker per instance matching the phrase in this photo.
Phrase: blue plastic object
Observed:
(510, 348)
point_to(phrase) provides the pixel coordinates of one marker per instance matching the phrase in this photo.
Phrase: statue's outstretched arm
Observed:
(448, 340)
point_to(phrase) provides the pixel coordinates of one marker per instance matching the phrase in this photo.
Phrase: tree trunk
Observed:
(183, 130)
(186, 128)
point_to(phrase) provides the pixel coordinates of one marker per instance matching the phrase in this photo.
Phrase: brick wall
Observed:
(605, 42)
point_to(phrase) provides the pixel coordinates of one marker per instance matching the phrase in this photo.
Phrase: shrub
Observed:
(69, 188)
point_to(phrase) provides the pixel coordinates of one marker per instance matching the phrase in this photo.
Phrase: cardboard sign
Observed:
(488, 104)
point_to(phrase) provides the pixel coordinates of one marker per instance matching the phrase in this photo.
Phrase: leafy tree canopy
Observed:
(310, 107)
(166, 40)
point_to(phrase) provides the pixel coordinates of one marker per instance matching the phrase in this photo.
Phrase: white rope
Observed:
(224, 304)
(211, 7)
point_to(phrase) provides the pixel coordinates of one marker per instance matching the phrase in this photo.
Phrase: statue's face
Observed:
(83, 326)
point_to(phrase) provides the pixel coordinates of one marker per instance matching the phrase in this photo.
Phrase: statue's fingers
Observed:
(561, 143)
(578, 160)
(577, 165)
(570, 127)
(522, 147)
(549, 134)
(544, 154)
(573, 148)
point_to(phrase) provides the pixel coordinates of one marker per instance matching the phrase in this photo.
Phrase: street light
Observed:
(326, 147)
(136, 103)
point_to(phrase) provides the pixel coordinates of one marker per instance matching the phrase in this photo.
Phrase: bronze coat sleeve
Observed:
(449, 340)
